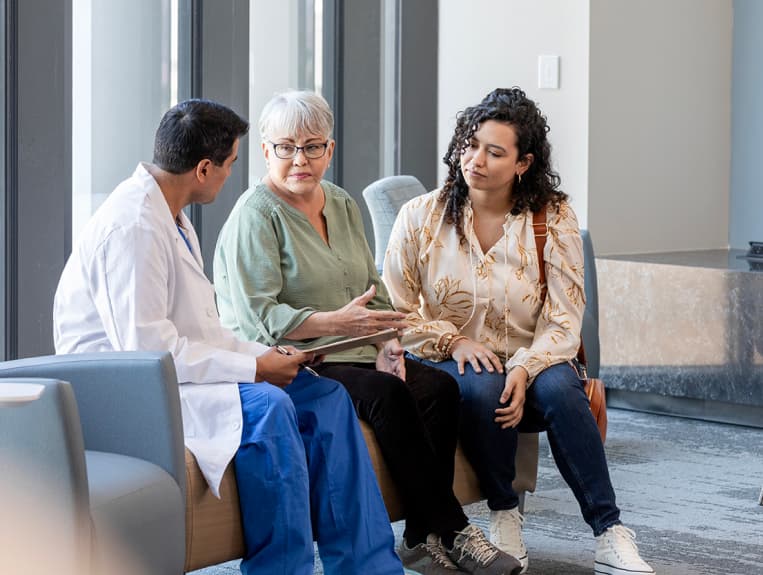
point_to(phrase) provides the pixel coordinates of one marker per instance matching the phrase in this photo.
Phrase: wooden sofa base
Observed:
(213, 526)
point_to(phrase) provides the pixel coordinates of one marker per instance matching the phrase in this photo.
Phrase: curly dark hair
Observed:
(539, 183)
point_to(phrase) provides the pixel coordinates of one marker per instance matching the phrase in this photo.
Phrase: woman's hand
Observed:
(391, 358)
(468, 351)
(355, 319)
(278, 368)
(514, 389)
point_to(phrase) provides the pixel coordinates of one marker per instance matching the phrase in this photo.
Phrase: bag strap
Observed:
(540, 231)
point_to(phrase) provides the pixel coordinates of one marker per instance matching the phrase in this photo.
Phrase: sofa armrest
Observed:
(128, 402)
(590, 328)
(43, 477)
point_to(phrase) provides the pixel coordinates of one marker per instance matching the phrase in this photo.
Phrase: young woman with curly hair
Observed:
(462, 264)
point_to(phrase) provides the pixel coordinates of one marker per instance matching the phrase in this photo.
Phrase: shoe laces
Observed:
(623, 540)
(476, 545)
(439, 556)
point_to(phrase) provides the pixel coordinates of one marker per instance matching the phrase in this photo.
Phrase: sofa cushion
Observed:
(137, 505)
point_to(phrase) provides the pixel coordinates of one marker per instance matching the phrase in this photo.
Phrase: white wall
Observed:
(487, 44)
(660, 116)
(641, 123)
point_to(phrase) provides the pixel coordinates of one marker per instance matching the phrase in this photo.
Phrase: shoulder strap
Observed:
(540, 231)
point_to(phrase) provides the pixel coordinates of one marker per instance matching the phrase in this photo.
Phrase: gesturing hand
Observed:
(514, 389)
(466, 350)
(280, 369)
(355, 319)
(391, 359)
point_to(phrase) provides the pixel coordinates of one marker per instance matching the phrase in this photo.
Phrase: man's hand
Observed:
(355, 319)
(468, 351)
(278, 368)
(391, 358)
(514, 390)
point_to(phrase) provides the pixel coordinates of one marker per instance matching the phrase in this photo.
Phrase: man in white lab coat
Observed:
(135, 281)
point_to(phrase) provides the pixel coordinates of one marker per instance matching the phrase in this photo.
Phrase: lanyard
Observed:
(185, 238)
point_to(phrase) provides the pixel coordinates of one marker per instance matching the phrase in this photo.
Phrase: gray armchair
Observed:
(102, 442)
(384, 199)
(590, 329)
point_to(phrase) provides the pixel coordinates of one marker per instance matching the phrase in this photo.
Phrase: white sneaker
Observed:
(617, 554)
(506, 534)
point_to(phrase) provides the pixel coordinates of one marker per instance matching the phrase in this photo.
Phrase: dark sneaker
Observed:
(428, 558)
(473, 553)
(617, 554)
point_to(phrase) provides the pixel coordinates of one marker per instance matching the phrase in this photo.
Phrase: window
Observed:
(2, 179)
(125, 67)
(285, 52)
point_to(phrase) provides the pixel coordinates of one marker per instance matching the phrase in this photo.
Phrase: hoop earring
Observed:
(520, 178)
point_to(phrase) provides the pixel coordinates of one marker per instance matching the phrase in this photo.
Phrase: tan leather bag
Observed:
(594, 387)
(597, 397)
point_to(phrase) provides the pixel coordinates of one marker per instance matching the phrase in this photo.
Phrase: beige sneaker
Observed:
(506, 534)
(473, 553)
(617, 554)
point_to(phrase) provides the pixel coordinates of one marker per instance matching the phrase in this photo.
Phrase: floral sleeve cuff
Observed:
(531, 362)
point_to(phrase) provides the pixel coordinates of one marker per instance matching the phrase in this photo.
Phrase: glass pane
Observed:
(2, 182)
(124, 65)
(285, 52)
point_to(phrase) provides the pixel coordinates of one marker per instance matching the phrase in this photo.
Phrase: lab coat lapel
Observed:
(193, 240)
(194, 259)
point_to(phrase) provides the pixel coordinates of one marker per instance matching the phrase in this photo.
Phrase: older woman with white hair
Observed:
(292, 267)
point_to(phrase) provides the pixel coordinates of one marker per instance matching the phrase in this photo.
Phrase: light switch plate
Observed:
(548, 72)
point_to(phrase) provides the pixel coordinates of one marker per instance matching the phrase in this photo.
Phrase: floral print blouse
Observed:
(449, 286)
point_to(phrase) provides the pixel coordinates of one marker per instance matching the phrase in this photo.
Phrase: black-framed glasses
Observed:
(289, 151)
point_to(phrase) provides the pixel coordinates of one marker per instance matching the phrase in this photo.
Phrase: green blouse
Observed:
(272, 269)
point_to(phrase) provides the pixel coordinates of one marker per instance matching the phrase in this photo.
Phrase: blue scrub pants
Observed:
(303, 473)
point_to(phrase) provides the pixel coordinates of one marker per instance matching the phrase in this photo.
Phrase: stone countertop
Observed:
(729, 259)
(682, 324)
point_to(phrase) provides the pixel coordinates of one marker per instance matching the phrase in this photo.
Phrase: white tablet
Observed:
(352, 342)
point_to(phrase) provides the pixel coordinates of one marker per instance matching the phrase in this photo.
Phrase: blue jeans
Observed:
(303, 473)
(555, 403)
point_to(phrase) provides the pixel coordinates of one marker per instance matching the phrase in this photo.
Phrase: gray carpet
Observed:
(688, 488)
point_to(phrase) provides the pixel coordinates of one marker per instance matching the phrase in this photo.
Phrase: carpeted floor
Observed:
(688, 488)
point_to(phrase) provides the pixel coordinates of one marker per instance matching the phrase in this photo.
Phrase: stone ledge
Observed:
(682, 326)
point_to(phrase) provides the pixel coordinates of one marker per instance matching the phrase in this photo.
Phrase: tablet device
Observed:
(349, 343)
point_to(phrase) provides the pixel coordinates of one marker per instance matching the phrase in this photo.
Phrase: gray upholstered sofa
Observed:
(99, 448)
(115, 435)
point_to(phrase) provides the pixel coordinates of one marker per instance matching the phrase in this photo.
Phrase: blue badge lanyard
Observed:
(185, 238)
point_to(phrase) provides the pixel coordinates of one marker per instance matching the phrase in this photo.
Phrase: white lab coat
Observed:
(131, 283)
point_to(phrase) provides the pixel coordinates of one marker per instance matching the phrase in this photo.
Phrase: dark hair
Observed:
(539, 183)
(195, 130)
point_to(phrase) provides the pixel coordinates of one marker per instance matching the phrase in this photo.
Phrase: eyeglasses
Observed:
(289, 151)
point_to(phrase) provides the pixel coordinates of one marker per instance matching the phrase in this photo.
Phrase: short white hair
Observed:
(297, 113)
